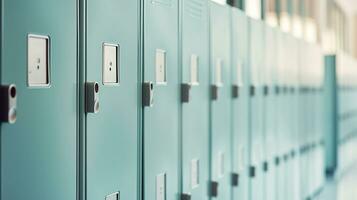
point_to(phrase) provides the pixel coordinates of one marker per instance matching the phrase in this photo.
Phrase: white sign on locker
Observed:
(160, 63)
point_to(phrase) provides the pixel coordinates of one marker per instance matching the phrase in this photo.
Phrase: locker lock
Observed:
(185, 196)
(214, 92)
(235, 91)
(185, 92)
(92, 97)
(252, 171)
(148, 94)
(235, 179)
(8, 98)
(213, 189)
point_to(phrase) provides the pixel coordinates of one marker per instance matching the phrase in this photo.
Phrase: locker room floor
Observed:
(343, 188)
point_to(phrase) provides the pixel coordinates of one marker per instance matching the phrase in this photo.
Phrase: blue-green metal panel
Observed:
(270, 111)
(195, 113)
(38, 152)
(240, 105)
(256, 64)
(112, 134)
(221, 108)
(161, 122)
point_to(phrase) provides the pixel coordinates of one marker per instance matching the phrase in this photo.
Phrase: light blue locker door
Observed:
(112, 134)
(161, 120)
(38, 152)
(256, 64)
(270, 112)
(220, 130)
(240, 105)
(195, 99)
(289, 115)
(281, 121)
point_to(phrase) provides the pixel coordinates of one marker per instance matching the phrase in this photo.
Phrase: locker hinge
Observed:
(213, 189)
(185, 92)
(92, 97)
(214, 92)
(235, 91)
(185, 196)
(148, 94)
(8, 101)
(252, 171)
(235, 179)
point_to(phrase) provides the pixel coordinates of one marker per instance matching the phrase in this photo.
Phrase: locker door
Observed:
(240, 103)
(220, 102)
(195, 98)
(38, 152)
(281, 121)
(111, 60)
(256, 56)
(161, 115)
(270, 112)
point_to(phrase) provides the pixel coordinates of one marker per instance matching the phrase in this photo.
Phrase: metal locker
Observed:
(256, 64)
(110, 138)
(161, 100)
(270, 111)
(240, 105)
(195, 99)
(38, 151)
(220, 105)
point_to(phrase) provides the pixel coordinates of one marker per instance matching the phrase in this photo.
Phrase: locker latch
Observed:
(292, 153)
(265, 166)
(252, 171)
(286, 157)
(214, 92)
(252, 90)
(266, 90)
(213, 189)
(185, 196)
(235, 91)
(185, 92)
(235, 179)
(277, 161)
(92, 97)
(8, 103)
(148, 94)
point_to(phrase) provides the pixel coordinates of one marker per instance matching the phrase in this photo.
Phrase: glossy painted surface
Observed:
(221, 108)
(38, 152)
(161, 122)
(195, 113)
(112, 134)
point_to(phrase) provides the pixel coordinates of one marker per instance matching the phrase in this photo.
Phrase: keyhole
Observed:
(38, 67)
(110, 64)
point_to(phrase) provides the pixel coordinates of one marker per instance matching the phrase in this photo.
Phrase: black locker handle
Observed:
(185, 92)
(213, 189)
(8, 101)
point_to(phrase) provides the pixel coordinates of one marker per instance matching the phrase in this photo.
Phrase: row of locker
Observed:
(156, 99)
(340, 84)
